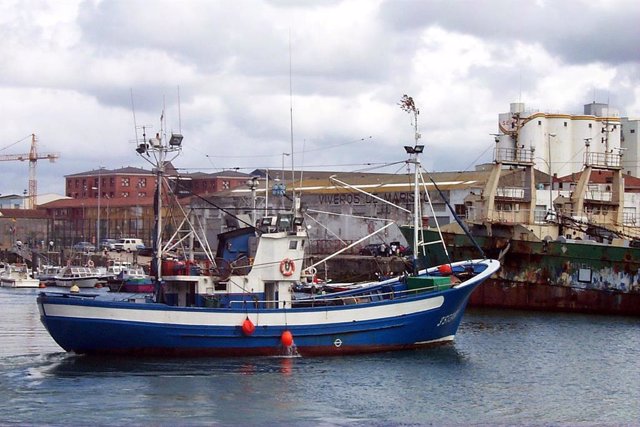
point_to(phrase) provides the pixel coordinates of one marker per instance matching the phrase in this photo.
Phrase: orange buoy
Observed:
(248, 327)
(286, 339)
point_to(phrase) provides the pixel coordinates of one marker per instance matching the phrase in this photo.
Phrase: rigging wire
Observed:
(251, 156)
(475, 161)
(237, 168)
(17, 142)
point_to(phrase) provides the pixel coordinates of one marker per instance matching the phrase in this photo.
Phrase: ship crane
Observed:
(32, 156)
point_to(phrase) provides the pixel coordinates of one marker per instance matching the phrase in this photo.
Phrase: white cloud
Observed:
(70, 67)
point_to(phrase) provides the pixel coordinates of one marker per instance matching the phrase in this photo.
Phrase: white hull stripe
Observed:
(196, 317)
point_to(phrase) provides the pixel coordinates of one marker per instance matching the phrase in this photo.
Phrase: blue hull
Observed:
(87, 326)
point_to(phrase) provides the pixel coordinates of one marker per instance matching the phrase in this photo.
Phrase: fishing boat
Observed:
(17, 276)
(244, 301)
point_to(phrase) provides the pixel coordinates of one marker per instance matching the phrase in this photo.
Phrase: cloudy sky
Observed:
(226, 74)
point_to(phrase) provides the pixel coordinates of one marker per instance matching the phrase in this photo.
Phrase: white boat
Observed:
(18, 276)
(47, 274)
(133, 273)
(82, 277)
(115, 267)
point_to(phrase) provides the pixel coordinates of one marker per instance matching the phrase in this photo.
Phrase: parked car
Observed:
(146, 251)
(108, 244)
(83, 247)
(129, 244)
(372, 249)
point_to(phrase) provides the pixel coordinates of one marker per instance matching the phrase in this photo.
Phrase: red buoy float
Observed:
(248, 327)
(286, 339)
(444, 269)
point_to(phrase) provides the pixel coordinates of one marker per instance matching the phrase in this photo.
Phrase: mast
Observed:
(157, 151)
(416, 202)
(293, 173)
(407, 104)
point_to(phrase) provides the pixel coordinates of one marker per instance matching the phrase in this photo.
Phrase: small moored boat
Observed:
(82, 277)
(18, 276)
(133, 280)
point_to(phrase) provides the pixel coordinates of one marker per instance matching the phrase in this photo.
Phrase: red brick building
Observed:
(137, 185)
(119, 202)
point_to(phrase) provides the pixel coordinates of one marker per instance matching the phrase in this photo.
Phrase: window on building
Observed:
(225, 185)
(590, 125)
(142, 194)
(125, 194)
(125, 182)
(632, 131)
(539, 122)
(143, 182)
(565, 124)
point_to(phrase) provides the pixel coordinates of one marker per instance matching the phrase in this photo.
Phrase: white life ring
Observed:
(90, 264)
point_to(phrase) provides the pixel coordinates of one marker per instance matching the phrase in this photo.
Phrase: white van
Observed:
(128, 244)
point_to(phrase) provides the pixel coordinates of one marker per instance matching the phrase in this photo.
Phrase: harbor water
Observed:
(504, 368)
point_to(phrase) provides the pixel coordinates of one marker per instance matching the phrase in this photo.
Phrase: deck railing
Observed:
(326, 300)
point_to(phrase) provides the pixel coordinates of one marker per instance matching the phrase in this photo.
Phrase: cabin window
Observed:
(584, 275)
(590, 125)
(539, 122)
(565, 124)
(284, 222)
(293, 244)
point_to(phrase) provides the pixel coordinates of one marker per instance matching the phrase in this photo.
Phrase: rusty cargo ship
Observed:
(571, 250)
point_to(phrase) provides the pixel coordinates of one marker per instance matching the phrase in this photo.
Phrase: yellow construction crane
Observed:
(33, 158)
